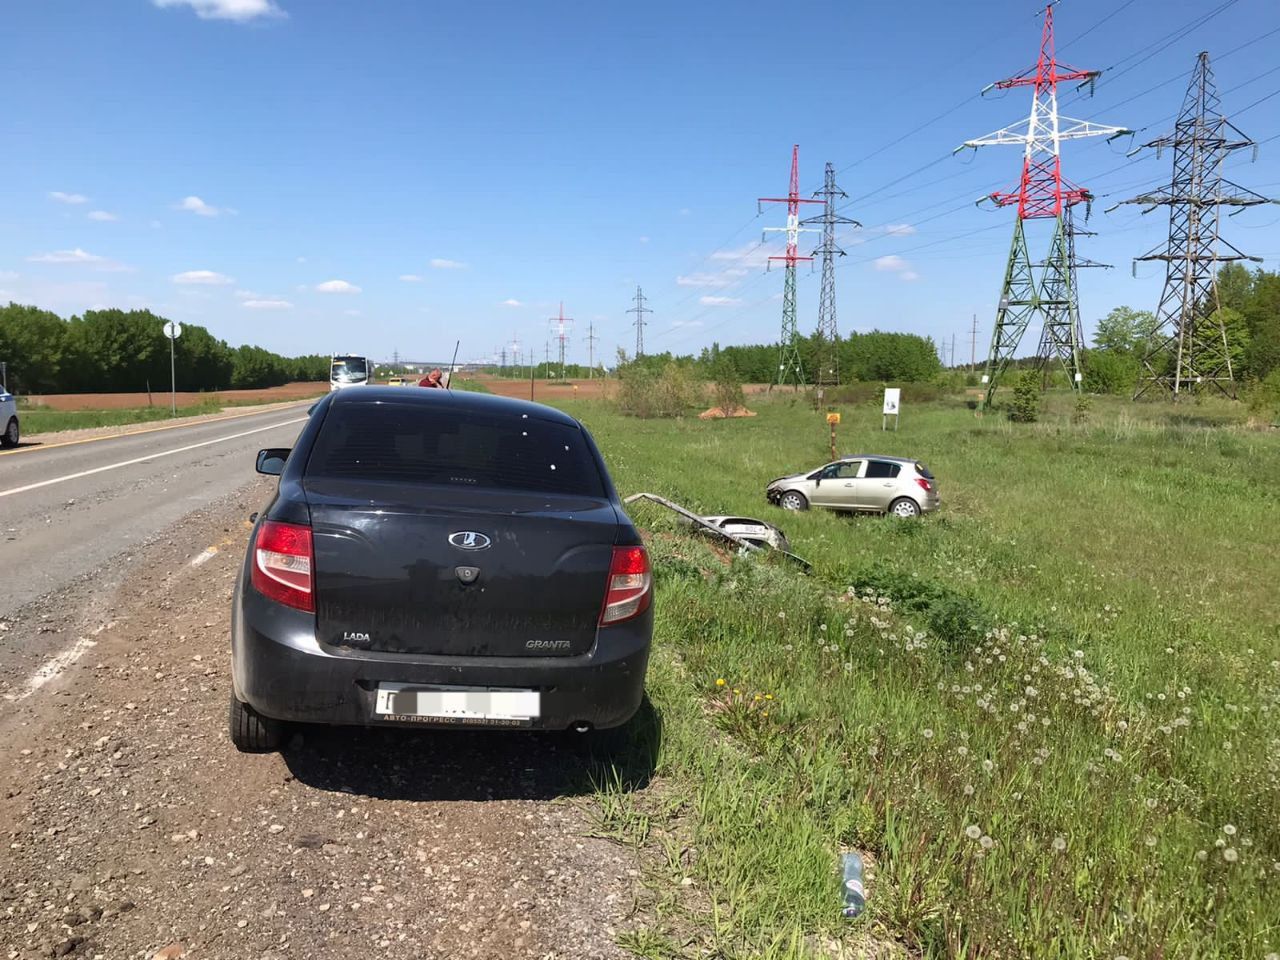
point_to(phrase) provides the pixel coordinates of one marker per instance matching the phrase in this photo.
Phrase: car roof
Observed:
(877, 456)
(462, 401)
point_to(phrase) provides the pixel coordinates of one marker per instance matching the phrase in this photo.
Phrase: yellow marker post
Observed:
(832, 420)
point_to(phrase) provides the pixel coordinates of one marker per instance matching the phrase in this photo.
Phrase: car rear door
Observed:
(878, 486)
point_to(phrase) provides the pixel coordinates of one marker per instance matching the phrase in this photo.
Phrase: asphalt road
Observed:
(68, 510)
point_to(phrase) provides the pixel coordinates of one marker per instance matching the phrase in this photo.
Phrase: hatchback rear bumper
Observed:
(281, 670)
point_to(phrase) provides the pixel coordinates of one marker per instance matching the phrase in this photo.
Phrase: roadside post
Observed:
(892, 406)
(832, 420)
(173, 331)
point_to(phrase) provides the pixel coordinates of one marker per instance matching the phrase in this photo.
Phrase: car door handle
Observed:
(890, 484)
(849, 484)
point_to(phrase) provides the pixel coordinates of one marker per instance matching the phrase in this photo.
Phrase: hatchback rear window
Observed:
(881, 469)
(924, 471)
(407, 443)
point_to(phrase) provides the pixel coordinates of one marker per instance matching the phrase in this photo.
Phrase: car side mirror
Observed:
(271, 461)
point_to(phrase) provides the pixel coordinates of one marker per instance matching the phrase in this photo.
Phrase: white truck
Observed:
(8, 415)
(347, 370)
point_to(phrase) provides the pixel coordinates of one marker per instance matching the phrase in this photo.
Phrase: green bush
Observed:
(955, 620)
(646, 392)
(1025, 406)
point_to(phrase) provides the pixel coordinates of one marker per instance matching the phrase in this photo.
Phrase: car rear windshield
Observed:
(924, 471)
(409, 443)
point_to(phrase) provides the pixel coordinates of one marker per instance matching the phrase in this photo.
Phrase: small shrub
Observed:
(955, 620)
(668, 392)
(1081, 412)
(1025, 406)
(727, 386)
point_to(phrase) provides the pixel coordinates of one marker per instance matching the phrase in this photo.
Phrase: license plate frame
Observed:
(438, 704)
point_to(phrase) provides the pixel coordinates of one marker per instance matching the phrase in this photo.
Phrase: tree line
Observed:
(1249, 308)
(126, 351)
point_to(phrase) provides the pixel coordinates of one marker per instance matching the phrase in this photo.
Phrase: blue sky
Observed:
(394, 175)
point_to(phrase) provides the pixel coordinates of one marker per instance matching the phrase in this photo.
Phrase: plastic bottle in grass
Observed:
(855, 898)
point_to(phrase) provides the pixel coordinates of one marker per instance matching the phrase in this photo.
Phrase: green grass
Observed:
(36, 420)
(1077, 663)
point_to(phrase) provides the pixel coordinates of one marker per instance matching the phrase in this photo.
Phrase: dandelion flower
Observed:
(1059, 844)
(1202, 855)
(988, 765)
(1229, 829)
(987, 842)
(973, 831)
(962, 750)
(768, 696)
(1230, 855)
(928, 734)
(720, 681)
(968, 789)
(1150, 841)
(1151, 803)
(764, 713)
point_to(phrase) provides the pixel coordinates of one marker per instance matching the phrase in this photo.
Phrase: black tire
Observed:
(251, 732)
(904, 507)
(797, 500)
(11, 433)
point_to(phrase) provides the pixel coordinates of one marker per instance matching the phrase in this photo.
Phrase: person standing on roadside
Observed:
(432, 379)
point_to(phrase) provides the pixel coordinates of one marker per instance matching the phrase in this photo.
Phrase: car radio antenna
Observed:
(449, 378)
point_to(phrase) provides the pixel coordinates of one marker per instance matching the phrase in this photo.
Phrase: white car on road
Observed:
(8, 418)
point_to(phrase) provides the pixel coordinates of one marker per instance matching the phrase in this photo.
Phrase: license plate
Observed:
(402, 701)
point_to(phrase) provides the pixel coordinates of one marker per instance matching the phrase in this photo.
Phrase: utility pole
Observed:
(591, 350)
(973, 345)
(503, 368)
(828, 373)
(1189, 348)
(560, 322)
(953, 350)
(1042, 194)
(789, 367)
(639, 310)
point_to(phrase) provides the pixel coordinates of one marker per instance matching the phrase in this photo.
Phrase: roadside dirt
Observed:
(131, 824)
(299, 390)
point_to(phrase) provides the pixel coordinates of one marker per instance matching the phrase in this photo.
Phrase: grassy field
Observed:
(1048, 716)
(39, 420)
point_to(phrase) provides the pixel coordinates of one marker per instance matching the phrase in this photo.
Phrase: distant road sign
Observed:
(172, 330)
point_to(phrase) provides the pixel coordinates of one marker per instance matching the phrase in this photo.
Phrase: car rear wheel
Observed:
(791, 500)
(904, 507)
(251, 732)
(10, 438)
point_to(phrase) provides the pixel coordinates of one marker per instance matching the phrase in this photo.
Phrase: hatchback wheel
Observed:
(904, 507)
(11, 433)
(251, 732)
(791, 500)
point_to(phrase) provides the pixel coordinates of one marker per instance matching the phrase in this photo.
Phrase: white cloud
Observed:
(718, 301)
(102, 216)
(302, 259)
(895, 264)
(7, 276)
(752, 255)
(899, 229)
(439, 263)
(237, 10)
(267, 304)
(512, 302)
(410, 278)
(206, 278)
(247, 295)
(703, 280)
(67, 256)
(685, 323)
(891, 264)
(72, 198)
(198, 207)
(337, 286)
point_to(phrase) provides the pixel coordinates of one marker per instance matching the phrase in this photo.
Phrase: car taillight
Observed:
(630, 585)
(924, 484)
(283, 561)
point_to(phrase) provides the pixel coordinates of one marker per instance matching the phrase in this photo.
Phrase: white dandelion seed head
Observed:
(1059, 844)
(973, 831)
(987, 842)
(1230, 855)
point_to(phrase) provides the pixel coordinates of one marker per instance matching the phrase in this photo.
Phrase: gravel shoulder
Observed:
(132, 825)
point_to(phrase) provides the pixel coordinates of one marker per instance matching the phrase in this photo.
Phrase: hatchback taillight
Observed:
(924, 484)
(283, 564)
(630, 585)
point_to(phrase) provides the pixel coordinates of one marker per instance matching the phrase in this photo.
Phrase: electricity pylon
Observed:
(828, 372)
(1042, 194)
(1189, 348)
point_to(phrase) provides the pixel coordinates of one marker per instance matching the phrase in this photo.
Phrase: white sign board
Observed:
(172, 330)
(892, 397)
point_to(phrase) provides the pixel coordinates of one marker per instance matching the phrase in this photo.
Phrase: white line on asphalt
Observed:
(204, 556)
(153, 456)
(55, 666)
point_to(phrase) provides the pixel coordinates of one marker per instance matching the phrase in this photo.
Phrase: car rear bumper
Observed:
(281, 670)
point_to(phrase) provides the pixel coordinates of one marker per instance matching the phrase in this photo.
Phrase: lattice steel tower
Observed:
(639, 310)
(560, 323)
(828, 372)
(1189, 349)
(789, 365)
(1042, 194)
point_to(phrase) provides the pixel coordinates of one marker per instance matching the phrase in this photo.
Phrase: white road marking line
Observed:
(153, 456)
(205, 556)
(55, 666)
